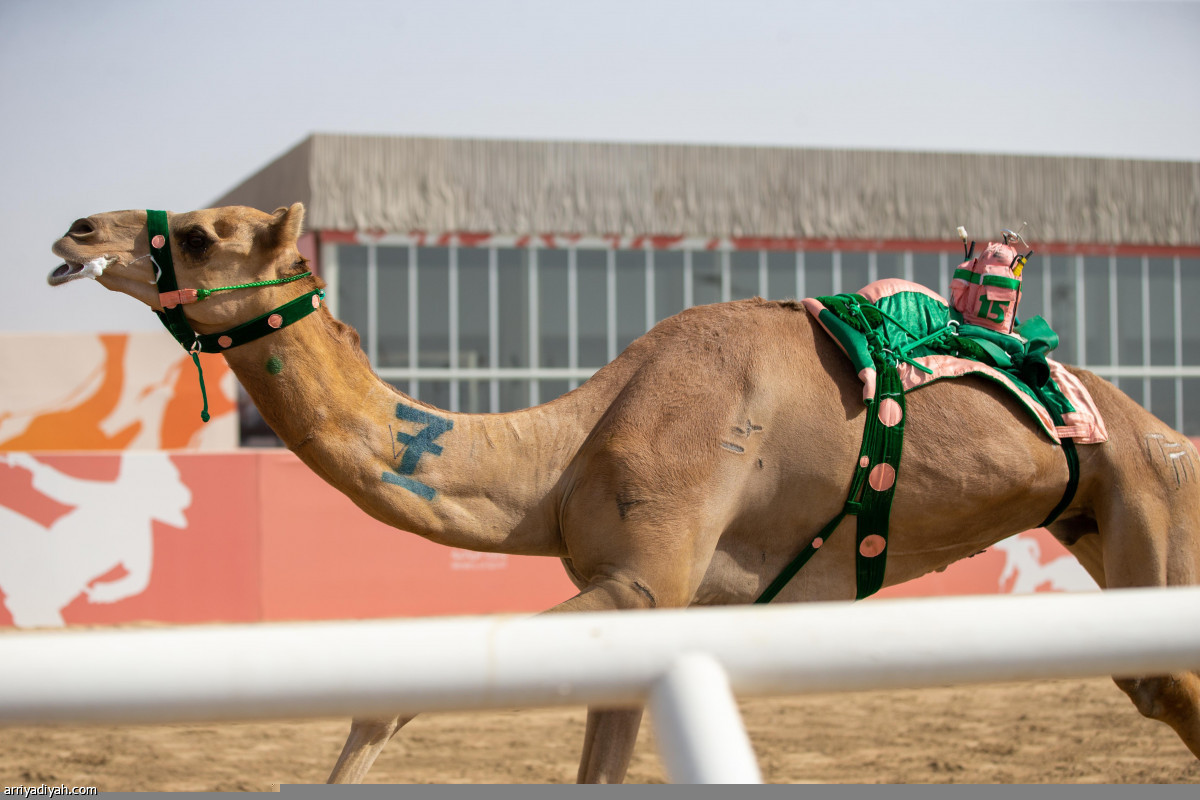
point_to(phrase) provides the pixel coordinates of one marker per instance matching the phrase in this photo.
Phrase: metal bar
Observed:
(452, 281)
(414, 385)
(650, 316)
(331, 273)
(908, 265)
(689, 291)
(1114, 312)
(837, 272)
(872, 267)
(698, 726)
(534, 324)
(1080, 313)
(726, 277)
(373, 304)
(1177, 298)
(572, 313)
(801, 275)
(763, 280)
(299, 670)
(610, 286)
(1048, 293)
(1146, 330)
(494, 327)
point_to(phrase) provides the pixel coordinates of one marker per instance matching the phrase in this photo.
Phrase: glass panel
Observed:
(1162, 399)
(1062, 304)
(1134, 388)
(473, 311)
(854, 271)
(1189, 297)
(352, 287)
(1033, 287)
(743, 274)
(706, 277)
(781, 275)
(593, 307)
(514, 395)
(1191, 407)
(925, 272)
(513, 324)
(631, 296)
(1162, 314)
(392, 277)
(433, 309)
(473, 397)
(548, 390)
(552, 308)
(887, 265)
(436, 393)
(668, 283)
(1099, 330)
(1129, 315)
(818, 273)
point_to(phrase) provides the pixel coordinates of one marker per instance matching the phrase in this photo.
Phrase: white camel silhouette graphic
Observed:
(1023, 559)
(43, 569)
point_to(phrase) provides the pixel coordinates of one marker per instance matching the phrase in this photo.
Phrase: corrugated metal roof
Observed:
(403, 184)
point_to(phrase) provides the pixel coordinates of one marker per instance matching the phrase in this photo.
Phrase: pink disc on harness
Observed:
(890, 413)
(872, 545)
(882, 477)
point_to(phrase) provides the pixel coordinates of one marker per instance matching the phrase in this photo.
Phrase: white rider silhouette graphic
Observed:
(43, 569)
(1023, 565)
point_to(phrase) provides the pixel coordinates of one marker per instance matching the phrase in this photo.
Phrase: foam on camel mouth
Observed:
(71, 271)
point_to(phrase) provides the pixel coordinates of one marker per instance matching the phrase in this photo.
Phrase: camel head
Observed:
(216, 247)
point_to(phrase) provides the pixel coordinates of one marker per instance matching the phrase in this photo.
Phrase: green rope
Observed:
(203, 293)
(204, 394)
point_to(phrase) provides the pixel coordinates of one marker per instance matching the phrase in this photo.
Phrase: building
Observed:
(493, 275)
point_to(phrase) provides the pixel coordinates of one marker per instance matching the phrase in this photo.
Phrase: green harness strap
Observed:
(176, 322)
(871, 489)
(874, 482)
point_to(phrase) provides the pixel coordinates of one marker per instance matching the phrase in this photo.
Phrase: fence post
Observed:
(699, 729)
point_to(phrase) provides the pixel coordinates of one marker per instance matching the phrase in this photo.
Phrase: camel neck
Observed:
(477, 481)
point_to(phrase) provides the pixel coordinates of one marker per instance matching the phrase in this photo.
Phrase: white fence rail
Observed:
(686, 665)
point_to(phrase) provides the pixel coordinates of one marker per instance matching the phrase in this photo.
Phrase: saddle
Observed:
(901, 336)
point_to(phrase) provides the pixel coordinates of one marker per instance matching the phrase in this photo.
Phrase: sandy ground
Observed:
(1076, 731)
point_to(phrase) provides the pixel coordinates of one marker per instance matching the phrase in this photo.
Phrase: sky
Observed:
(169, 104)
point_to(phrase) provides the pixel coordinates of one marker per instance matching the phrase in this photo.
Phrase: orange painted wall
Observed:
(254, 535)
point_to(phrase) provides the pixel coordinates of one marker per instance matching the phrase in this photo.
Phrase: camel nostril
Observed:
(81, 227)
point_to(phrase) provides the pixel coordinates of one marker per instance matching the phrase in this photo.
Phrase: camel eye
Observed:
(195, 241)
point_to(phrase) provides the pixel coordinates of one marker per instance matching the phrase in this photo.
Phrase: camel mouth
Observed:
(64, 273)
(72, 271)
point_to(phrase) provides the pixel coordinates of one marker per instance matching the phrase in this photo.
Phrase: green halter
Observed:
(173, 299)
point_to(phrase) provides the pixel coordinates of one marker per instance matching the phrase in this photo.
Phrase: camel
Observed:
(688, 471)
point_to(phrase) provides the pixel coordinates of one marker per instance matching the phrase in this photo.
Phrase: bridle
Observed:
(173, 298)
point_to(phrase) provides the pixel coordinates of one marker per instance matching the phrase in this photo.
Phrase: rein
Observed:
(177, 323)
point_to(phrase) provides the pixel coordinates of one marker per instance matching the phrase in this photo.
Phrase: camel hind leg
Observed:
(1149, 535)
(363, 745)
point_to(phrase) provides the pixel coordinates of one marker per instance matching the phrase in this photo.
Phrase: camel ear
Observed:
(284, 230)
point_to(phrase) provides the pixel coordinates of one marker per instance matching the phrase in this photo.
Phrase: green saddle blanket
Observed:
(927, 338)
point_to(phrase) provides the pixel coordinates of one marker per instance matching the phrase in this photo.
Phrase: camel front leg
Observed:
(363, 745)
(611, 733)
